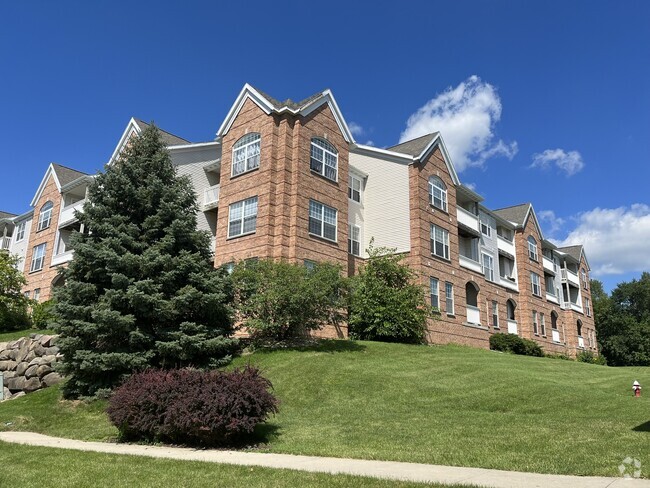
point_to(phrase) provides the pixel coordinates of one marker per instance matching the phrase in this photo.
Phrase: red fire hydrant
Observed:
(636, 388)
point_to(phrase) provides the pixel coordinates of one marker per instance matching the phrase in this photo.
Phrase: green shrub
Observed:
(386, 303)
(591, 358)
(515, 344)
(279, 301)
(43, 315)
(563, 356)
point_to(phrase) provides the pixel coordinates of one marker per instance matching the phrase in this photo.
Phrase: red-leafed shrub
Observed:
(192, 407)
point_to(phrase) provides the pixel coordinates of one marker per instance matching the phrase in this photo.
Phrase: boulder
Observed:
(8, 365)
(30, 355)
(31, 371)
(4, 355)
(54, 340)
(7, 375)
(7, 393)
(3, 346)
(36, 361)
(17, 383)
(51, 351)
(17, 395)
(32, 384)
(21, 368)
(45, 340)
(51, 379)
(39, 350)
(43, 370)
(48, 359)
(22, 353)
(12, 354)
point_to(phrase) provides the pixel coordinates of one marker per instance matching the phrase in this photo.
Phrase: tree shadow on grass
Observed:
(645, 427)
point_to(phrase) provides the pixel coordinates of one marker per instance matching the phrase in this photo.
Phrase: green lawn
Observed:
(38, 467)
(442, 405)
(17, 334)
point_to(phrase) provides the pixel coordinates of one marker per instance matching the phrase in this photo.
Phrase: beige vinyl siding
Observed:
(385, 201)
(20, 248)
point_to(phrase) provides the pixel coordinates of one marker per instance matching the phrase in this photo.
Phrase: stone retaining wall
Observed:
(29, 364)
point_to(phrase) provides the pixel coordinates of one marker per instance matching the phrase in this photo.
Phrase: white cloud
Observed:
(552, 221)
(466, 116)
(615, 239)
(356, 129)
(370, 143)
(570, 162)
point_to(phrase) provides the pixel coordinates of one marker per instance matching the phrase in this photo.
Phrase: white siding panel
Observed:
(190, 162)
(385, 203)
(20, 248)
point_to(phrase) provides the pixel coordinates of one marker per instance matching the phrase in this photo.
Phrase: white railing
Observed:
(549, 265)
(552, 298)
(581, 342)
(506, 245)
(468, 219)
(508, 283)
(211, 197)
(512, 326)
(576, 307)
(473, 315)
(62, 258)
(67, 214)
(570, 276)
(5, 242)
(555, 335)
(470, 263)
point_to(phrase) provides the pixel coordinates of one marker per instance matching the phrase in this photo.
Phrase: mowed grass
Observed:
(17, 334)
(57, 468)
(441, 405)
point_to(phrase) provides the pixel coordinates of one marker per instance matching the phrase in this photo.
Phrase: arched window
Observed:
(45, 217)
(437, 193)
(471, 294)
(324, 159)
(511, 306)
(246, 154)
(532, 248)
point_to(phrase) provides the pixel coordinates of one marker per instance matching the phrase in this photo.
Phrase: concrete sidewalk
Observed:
(376, 469)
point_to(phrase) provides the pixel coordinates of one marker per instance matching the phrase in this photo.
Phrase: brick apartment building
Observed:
(286, 180)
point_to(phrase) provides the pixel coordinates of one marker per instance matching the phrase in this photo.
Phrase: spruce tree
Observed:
(141, 290)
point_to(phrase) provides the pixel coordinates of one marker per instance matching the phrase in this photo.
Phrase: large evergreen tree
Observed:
(141, 290)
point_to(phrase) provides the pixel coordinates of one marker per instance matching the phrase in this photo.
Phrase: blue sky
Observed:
(547, 102)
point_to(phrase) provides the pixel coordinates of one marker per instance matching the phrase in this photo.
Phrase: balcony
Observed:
(211, 197)
(512, 326)
(67, 214)
(5, 242)
(555, 334)
(571, 277)
(508, 283)
(506, 246)
(549, 265)
(469, 263)
(62, 258)
(473, 315)
(552, 298)
(468, 220)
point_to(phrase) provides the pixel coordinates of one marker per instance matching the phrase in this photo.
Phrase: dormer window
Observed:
(437, 193)
(45, 217)
(324, 159)
(246, 154)
(532, 248)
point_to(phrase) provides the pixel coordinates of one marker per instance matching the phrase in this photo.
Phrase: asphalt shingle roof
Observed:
(573, 251)
(67, 175)
(168, 138)
(516, 213)
(414, 147)
(277, 104)
(6, 215)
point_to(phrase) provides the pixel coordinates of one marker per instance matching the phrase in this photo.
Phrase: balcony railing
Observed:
(5, 242)
(467, 219)
(508, 283)
(570, 276)
(512, 326)
(211, 197)
(62, 258)
(473, 315)
(555, 335)
(549, 264)
(506, 245)
(67, 214)
(469, 263)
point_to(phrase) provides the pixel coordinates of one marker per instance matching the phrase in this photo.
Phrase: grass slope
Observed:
(17, 334)
(442, 405)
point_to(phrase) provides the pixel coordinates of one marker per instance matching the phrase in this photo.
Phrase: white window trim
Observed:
(351, 180)
(448, 298)
(41, 257)
(444, 242)
(535, 283)
(328, 151)
(542, 324)
(535, 325)
(495, 314)
(436, 294)
(245, 203)
(20, 231)
(351, 240)
(443, 192)
(41, 217)
(322, 222)
(532, 249)
(491, 267)
(244, 147)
